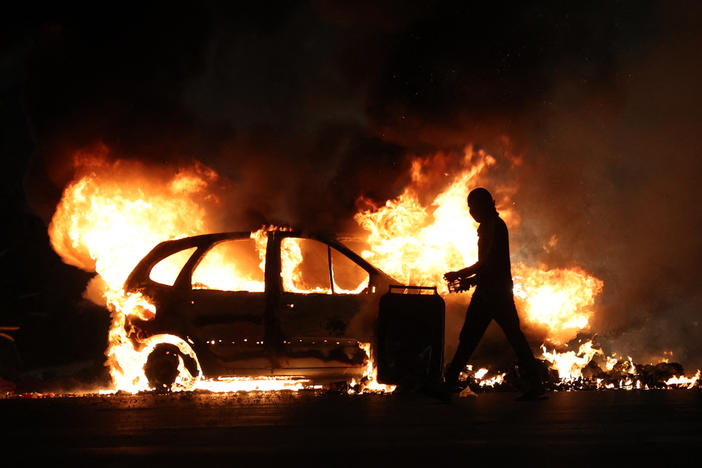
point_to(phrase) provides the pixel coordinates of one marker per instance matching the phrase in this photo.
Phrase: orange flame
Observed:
(682, 381)
(115, 212)
(112, 215)
(569, 364)
(418, 243)
(369, 383)
(484, 379)
(561, 300)
(107, 220)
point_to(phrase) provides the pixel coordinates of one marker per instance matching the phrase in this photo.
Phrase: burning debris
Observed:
(611, 371)
(588, 368)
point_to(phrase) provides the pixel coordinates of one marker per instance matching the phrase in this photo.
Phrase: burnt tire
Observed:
(161, 368)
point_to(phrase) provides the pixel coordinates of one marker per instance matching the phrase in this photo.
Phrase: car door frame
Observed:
(377, 280)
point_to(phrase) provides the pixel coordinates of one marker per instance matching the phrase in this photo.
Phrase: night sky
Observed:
(306, 106)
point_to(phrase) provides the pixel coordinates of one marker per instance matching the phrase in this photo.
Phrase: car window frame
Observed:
(139, 277)
(330, 243)
(201, 256)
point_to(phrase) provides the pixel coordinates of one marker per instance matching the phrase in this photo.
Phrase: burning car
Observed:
(269, 303)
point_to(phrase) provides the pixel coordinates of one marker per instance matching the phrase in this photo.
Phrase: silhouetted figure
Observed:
(492, 299)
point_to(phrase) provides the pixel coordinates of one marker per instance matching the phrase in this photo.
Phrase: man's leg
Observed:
(477, 320)
(508, 320)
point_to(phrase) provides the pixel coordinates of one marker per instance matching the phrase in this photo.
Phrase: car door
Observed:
(323, 291)
(227, 303)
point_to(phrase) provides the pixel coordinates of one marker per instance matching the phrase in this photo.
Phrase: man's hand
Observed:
(452, 276)
(458, 281)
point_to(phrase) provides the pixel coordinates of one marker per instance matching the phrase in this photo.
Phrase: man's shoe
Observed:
(444, 391)
(537, 392)
(467, 393)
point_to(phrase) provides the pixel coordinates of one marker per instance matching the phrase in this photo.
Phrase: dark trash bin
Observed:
(410, 336)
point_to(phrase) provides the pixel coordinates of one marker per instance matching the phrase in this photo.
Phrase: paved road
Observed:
(312, 428)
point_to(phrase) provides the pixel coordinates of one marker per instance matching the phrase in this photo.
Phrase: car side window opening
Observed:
(166, 271)
(305, 266)
(349, 277)
(232, 265)
(310, 266)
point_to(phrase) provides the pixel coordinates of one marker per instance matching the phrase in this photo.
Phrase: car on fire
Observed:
(282, 303)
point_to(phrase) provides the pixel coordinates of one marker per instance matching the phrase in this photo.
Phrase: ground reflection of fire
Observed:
(105, 223)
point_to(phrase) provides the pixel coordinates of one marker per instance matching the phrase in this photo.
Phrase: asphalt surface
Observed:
(323, 429)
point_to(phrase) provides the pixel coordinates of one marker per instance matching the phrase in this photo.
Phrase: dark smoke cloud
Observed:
(631, 194)
(309, 106)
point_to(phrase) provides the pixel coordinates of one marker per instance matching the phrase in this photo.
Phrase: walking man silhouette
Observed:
(492, 299)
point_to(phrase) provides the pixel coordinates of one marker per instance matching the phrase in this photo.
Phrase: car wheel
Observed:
(162, 366)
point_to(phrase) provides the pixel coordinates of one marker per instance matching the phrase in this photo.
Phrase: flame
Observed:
(104, 223)
(112, 216)
(687, 382)
(369, 383)
(255, 384)
(417, 243)
(569, 364)
(559, 299)
(116, 211)
(611, 362)
(291, 258)
(484, 380)
(480, 373)
(107, 220)
(292, 277)
(217, 271)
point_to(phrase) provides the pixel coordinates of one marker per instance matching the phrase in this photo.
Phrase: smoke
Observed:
(592, 111)
(614, 173)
